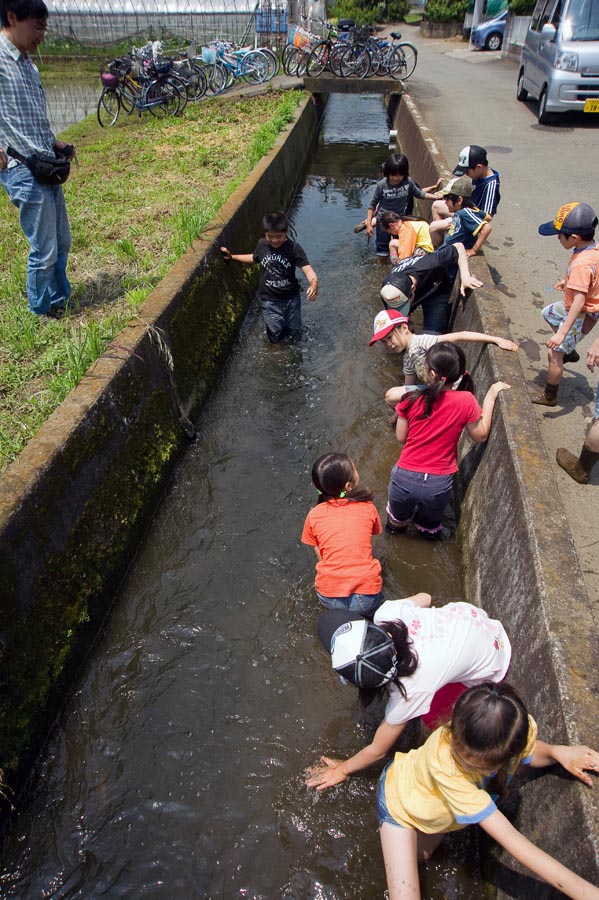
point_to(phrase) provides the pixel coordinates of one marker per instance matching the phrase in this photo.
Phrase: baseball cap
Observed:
(461, 187)
(397, 293)
(385, 322)
(571, 218)
(470, 156)
(362, 653)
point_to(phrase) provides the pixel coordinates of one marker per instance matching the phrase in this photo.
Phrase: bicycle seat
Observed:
(396, 35)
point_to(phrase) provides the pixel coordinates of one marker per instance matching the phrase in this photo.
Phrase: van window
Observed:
(536, 22)
(582, 21)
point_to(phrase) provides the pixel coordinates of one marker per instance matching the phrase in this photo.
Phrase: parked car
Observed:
(560, 57)
(489, 35)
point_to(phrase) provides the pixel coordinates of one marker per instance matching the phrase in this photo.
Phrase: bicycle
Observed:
(247, 64)
(160, 97)
(403, 57)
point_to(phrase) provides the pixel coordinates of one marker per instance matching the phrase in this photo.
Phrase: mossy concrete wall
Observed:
(74, 504)
(520, 564)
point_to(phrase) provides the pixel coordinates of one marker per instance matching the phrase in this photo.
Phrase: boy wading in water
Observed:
(279, 289)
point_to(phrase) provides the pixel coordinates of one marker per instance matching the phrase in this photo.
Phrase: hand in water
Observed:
(327, 773)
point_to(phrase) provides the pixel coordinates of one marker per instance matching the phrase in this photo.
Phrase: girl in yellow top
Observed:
(443, 786)
(410, 236)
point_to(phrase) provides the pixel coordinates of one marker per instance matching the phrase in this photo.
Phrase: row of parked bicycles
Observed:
(148, 80)
(356, 53)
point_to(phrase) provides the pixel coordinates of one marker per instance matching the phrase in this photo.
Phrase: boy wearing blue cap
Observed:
(575, 315)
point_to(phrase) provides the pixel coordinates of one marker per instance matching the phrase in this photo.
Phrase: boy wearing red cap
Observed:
(575, 315)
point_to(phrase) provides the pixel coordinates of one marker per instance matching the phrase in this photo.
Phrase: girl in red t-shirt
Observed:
(429, 425)
(340, 528)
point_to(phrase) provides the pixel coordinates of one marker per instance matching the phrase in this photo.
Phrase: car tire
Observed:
(494, 41)
(543, 117)
(521, 92)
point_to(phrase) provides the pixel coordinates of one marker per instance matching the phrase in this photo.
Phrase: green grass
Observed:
(143, 191)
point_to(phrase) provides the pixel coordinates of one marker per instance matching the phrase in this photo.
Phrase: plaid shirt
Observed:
(24, 121)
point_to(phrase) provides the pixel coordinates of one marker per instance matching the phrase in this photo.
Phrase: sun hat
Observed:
(461, 187)
(397, 293)
(385, 321)
(362, 653)
(470, 156)
(571, 218)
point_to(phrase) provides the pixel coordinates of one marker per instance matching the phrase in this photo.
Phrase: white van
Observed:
(560, 57)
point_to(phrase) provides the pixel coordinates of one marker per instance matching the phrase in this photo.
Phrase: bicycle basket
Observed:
(361, 34)
(109, 80)
(300, 38)
(161, 68)
(119, 67)
(208, 55)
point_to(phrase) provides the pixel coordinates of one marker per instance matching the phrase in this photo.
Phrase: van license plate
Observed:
(591, 106)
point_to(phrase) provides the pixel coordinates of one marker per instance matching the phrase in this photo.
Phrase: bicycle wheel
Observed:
(410, 54)
(109, 106)
(273, 62)
(288, 55)
(355, 62)
(335, 56)
(162, 98)
(181, 85)
(318, 60)
(254, 67)
(198, 83)
(217, 77)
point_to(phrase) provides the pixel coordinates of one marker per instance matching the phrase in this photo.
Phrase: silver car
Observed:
(560, 57)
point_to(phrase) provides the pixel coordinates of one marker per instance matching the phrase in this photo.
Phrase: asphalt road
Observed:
(468, 97)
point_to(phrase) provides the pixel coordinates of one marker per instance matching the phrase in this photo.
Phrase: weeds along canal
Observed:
(176, 769)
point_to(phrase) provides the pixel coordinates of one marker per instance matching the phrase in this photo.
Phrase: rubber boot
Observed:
(577, 467)
(548, 397)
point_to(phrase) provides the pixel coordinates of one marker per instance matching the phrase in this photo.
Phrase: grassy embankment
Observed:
(142, 193)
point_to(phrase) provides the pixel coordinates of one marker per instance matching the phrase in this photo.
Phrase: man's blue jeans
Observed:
(45, 224)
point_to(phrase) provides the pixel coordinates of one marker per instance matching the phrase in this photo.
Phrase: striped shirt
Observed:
(24, 124)
(485, 194)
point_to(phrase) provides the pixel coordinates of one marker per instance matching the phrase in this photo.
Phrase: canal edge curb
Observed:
(519, 561)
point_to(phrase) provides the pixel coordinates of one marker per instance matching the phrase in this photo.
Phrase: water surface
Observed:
(176, 770)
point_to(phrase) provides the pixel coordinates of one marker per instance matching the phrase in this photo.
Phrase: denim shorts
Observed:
(555, 314)
(382, 812)
(420, 496)
(365, 604)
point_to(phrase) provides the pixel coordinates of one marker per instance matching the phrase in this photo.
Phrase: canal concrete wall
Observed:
(520, 564)
(74, 505)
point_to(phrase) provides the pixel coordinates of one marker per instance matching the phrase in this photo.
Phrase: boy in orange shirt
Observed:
(575, 315)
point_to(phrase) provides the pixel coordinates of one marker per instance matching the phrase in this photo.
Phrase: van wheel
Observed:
(494, 41)
(543, 116)
(521, 92)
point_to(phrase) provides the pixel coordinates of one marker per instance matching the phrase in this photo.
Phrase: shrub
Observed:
(367, 12)
(446, 10)
(521, 7)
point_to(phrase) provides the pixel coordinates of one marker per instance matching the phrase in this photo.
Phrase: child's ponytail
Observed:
(330, 473)
(448, 363)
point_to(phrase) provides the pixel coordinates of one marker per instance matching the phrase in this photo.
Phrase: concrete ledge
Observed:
(520, 564)
(329, 84)
(74, 504)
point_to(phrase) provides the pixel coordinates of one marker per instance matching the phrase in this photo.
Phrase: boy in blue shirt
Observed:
(466, 223)
(473, 162)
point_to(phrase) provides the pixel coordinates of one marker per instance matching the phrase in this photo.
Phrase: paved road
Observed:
(469, 97)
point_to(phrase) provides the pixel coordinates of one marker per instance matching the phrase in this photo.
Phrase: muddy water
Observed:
(176, 769)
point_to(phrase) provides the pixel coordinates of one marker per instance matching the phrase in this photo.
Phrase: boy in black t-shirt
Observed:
(279, 289)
